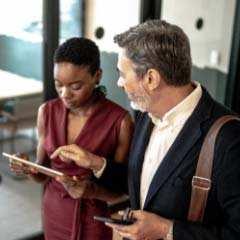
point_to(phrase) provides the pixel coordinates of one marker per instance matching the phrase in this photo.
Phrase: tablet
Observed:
(47, 171)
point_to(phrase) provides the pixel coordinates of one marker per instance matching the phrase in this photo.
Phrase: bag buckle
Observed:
(201, 183)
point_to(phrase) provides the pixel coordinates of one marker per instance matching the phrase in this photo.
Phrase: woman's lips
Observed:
(67, 102)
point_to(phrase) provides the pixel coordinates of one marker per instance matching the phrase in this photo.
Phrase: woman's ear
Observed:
(153, 79)
(98, 76)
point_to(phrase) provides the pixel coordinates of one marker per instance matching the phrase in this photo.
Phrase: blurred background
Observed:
(30, 31)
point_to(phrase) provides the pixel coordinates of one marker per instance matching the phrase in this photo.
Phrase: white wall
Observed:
(211, 45)
(115, 16)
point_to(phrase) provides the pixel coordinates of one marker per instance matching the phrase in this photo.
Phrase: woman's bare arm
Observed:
(41, 154)
(124, 140)
(121, 156)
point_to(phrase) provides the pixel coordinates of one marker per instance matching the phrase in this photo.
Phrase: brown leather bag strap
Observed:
(201, 182)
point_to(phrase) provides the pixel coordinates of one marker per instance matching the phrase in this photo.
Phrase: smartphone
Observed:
(114, 220)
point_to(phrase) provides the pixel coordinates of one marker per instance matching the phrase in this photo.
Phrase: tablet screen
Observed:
(47, 171)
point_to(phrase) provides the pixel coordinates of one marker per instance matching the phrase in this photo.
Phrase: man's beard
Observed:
(136, 107)
(139, 103)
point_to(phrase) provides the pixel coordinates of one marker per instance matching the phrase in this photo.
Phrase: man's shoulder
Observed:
(229, 132)
(210, 109)
(219, 109)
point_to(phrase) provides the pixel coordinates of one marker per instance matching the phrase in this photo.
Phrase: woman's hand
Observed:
(21, 168)
(78, 187)
(80, 156)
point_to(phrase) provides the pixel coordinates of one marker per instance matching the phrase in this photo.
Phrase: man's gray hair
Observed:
(159, 45)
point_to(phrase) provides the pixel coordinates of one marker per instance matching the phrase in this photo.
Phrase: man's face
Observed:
(74, 84)
(132, 84)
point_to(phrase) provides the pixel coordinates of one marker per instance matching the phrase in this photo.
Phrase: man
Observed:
(155, 72)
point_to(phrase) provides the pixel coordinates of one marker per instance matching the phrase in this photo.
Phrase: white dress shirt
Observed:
(163, 135)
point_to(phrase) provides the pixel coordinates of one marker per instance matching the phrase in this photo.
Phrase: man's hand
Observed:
(148, 226)
(78, 187)
(80, 156)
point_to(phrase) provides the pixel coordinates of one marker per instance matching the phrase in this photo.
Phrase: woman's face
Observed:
(74, 84)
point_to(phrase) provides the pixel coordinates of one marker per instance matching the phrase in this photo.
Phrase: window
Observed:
(70, 19)
(23, 18)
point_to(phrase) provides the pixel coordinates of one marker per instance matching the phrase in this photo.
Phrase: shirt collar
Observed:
(179, 114)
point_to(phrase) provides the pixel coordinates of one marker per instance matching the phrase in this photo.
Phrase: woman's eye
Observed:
(76, 87)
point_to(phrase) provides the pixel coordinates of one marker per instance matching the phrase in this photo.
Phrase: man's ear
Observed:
(153, 79)
(98, 76)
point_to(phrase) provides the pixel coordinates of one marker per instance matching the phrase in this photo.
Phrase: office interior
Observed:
(30, 31)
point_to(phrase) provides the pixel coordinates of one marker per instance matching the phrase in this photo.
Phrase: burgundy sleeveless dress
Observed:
(65, 218)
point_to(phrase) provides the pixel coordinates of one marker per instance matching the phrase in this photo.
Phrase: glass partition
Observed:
(20, 96)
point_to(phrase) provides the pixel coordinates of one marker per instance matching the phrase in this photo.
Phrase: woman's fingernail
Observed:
(75, 178)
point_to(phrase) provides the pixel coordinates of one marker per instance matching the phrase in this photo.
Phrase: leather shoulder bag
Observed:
(201, 181)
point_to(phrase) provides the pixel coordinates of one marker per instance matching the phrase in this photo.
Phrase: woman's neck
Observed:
(87, 108)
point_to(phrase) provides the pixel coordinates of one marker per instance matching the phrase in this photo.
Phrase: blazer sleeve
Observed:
(228, 195)
(114, 177)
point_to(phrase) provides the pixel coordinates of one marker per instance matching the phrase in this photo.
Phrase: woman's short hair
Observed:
(79, 51)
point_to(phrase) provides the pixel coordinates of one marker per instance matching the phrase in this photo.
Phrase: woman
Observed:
(81, 118)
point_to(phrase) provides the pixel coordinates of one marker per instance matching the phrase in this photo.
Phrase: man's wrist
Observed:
(99, 167)
(169, 235)
(96, 163)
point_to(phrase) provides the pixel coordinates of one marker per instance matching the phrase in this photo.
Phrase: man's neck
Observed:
(168, 98)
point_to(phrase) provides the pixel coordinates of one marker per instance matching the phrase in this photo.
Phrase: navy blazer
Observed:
(170, 190)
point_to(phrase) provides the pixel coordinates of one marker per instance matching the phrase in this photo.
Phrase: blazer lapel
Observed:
(181, 146)
(142, 134)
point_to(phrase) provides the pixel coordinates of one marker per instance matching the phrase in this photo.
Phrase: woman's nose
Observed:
(65, 92)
